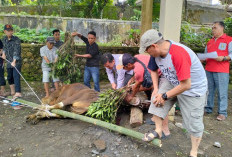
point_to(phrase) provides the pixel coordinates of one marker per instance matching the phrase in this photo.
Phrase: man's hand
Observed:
(3, 56)
(114, 85)
(219, 58)
(50, 64)
(13, 64)
(131, 81)
(129, 97)
(159, 101)
(75, 34)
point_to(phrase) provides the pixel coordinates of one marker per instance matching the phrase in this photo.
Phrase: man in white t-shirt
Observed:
(185, 81)
(49, 55)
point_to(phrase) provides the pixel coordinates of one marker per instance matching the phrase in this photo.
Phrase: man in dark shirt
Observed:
(56, 35)
(12, 52)
(2, 79)
(92, 62)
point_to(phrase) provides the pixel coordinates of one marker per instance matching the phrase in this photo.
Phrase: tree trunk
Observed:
(136, 117)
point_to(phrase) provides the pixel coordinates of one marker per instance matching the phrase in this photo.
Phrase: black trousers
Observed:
(2, 79)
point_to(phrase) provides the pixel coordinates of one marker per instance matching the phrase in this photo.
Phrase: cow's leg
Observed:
(53, 96)
(36, 117)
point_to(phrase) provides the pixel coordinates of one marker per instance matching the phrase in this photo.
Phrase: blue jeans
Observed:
(13, 77)
(94, 73)
(220, 82)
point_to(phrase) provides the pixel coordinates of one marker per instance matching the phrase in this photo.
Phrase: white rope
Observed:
(24, 80)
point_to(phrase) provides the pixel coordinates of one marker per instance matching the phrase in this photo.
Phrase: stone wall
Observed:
(105, 29)
(200, 13)
(31, 68)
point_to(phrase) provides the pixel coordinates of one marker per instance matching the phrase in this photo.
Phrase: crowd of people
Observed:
(167, 73)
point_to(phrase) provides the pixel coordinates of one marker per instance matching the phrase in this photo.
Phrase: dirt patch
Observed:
(68, 137)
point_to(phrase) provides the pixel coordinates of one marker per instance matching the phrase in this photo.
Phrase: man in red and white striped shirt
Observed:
(184, 80)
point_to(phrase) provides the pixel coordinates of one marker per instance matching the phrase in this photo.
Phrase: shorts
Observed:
(46, 77)
(192, 109)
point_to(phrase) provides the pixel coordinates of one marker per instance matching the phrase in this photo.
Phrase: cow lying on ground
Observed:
(74, 98)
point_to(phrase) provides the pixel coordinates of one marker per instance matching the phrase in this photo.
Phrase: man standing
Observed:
(56, 35)
(186, 80)
(217, 70)
(92, 63)
(117, 77)
(49, 56)
(12, 52)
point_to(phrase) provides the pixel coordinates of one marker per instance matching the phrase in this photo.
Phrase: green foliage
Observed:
(137, 16)
(131, 2)
(27, 35)
(193, 39)
(106, 107)
(66, 67)
(228, 26)
(95, 7)
(133, 33)
(7, 3)
(117, 41)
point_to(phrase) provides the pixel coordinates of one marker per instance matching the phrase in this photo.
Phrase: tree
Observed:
(95, 7)
(228, 2)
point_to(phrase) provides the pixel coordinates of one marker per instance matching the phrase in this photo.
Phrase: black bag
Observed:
(147, 81)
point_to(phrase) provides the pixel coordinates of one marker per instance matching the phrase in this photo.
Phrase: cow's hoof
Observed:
(32, 119)
(35, 121)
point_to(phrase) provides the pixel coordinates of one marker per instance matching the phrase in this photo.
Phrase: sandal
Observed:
(4, 94)
(16, 97)
(150, 136)
(221, 117)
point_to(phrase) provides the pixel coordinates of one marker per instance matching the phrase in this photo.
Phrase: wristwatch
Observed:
(164, 96)
(224, 58)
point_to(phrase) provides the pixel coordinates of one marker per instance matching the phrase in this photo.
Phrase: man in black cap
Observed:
(12, 52)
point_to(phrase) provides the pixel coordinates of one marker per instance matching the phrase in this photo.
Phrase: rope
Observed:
(24, 80)
(14, 101)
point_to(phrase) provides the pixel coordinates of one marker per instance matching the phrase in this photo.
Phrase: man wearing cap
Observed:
(142, 77)
(118, 77)
(12, 52)
(185, 80)
(49, 56)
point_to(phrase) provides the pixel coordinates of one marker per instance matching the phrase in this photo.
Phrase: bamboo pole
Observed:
(109, 126)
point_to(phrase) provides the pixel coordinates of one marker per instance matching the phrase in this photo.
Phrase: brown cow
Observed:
(74, 97)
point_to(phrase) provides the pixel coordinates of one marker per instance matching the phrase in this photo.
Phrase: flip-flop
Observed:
(150, 136)
(16, 97)
(165, 136)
